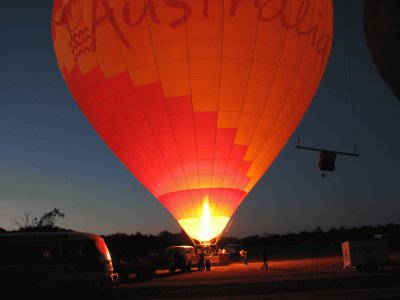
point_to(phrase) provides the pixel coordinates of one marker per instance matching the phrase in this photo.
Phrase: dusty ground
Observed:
(314, 278)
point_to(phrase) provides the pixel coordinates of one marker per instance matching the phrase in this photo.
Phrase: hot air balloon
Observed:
(382, 32)
(196, 97)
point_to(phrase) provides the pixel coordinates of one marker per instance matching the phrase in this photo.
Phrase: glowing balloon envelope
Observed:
(196, 97)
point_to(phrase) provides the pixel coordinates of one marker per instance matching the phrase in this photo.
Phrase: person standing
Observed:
(201, 260)
(264, 257)
(243, 254)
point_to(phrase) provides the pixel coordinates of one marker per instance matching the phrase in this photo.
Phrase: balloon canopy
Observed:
(382, 32)
(195, 97)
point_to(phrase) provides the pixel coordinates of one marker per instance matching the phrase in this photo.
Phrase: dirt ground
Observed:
(311, 278)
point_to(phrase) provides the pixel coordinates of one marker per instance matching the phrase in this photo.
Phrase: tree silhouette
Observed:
(50, 218)
(47, 222)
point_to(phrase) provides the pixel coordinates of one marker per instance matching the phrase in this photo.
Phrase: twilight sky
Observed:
(51, 157)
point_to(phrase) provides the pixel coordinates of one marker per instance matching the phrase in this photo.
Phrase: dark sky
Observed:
(50, 157)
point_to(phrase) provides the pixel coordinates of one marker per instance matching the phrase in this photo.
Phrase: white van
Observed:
(365, 255)
(66, 259)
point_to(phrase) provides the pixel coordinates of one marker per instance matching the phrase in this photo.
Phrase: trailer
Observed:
(365, 255)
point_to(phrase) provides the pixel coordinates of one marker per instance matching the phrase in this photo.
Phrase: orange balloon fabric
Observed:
(197, 97)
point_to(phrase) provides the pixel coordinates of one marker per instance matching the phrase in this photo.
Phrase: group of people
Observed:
(264, 257)
(204, 264)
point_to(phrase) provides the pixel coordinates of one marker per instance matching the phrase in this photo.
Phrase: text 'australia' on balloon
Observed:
(70, 15)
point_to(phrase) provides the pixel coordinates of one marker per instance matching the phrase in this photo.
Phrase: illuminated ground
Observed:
(314, 278)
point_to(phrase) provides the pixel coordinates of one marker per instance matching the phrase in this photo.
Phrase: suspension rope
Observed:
(343, 201)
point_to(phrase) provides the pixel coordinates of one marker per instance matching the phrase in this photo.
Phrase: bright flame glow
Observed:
(206, 226)
(206, 218)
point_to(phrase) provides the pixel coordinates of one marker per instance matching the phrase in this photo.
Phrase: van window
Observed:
(18, 253)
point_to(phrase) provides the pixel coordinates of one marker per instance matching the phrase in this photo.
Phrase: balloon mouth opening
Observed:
(195, 228)
(205, 227)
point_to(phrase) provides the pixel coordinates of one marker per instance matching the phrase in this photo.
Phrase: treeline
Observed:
(336, 236)
(318, 242)
(305, 242)
(124, 245)
(139, 245)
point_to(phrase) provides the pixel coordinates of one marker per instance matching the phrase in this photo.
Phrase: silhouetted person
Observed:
(264, 257)
(201, 261)
(208, 264)
(243, 254)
